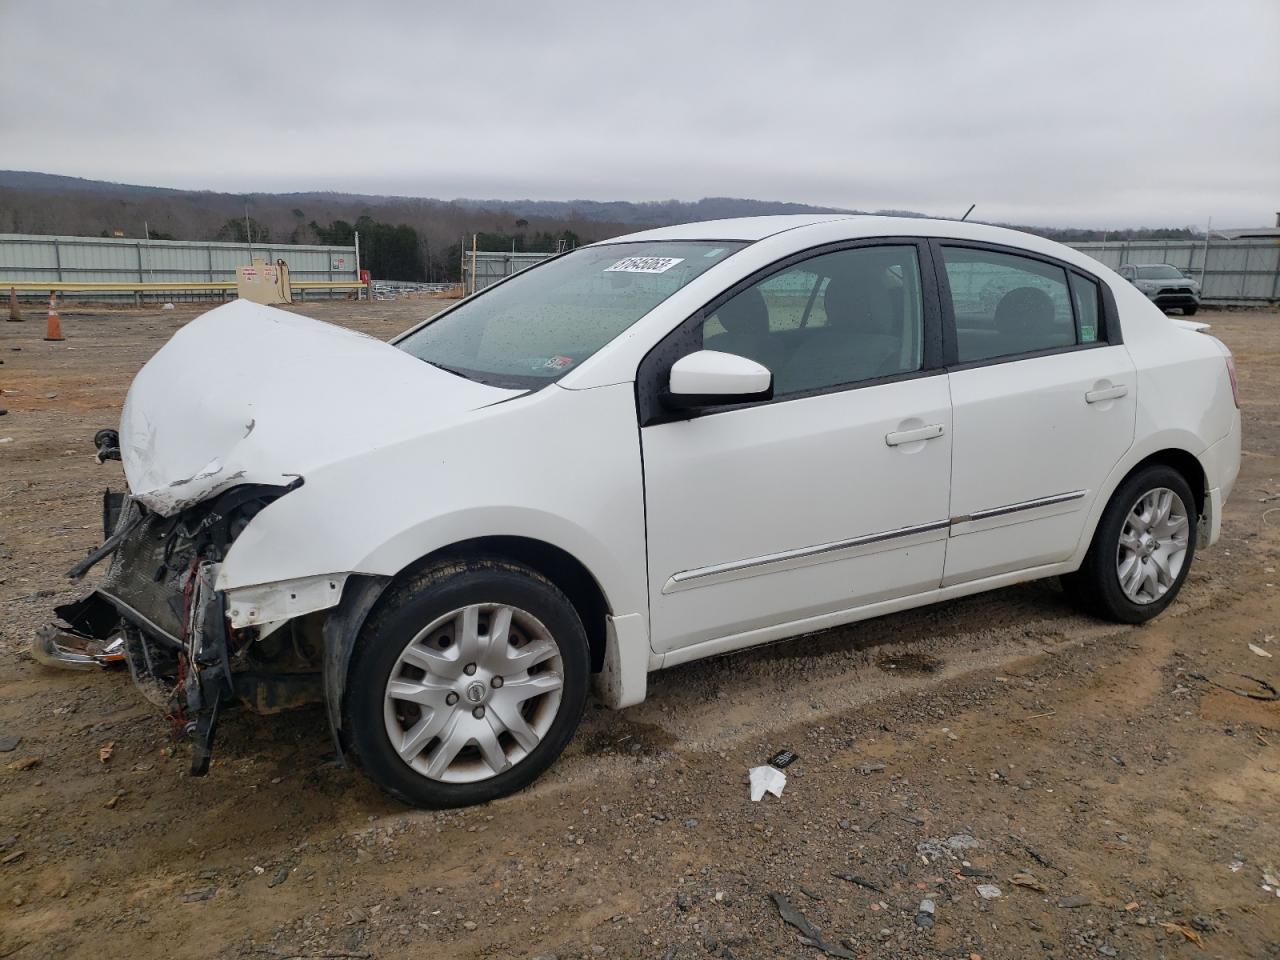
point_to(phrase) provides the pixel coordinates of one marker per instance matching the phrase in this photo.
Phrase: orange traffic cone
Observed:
(53, 331)
(15, 315)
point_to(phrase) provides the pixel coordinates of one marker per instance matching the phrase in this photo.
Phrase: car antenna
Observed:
(967, 212)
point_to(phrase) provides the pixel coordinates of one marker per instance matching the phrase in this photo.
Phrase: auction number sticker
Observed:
(644, 265)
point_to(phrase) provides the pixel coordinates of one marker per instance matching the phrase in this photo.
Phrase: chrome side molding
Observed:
(1018, 507)
(824, 552)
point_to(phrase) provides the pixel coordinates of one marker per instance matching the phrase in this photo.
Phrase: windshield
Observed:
(1161, 272)
(540, 324)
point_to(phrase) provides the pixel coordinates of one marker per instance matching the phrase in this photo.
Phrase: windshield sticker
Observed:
(644, 265)
(558, 363)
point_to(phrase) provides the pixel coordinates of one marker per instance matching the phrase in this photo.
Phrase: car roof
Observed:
(739, 228)
(852, 226)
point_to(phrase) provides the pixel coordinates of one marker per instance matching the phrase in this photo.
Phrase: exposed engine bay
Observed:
(158, 610)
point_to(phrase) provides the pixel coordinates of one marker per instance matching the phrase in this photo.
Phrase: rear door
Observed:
(1044, 405)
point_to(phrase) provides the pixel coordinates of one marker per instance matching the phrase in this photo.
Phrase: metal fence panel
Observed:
(25, 257)
(490, 267)
(1236, 271)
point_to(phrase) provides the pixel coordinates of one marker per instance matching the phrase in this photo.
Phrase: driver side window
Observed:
(835, 319)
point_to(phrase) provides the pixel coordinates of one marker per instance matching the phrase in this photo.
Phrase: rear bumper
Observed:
(1221, 463)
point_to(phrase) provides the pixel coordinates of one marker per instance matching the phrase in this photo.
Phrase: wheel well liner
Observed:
(1185, 463)
(557, 565)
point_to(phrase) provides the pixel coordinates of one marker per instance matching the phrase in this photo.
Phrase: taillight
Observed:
(1235, 387)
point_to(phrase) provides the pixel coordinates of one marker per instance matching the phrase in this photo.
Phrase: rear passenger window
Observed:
(1084, 294)
(833, 319)
(1006, 305)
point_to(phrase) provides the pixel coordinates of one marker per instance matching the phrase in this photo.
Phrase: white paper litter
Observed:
(1259, 651)
(766, 779)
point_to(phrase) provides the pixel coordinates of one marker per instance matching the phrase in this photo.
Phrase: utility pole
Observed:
(146, 230)
(357, 243)
(247, 234)
(1204, 264)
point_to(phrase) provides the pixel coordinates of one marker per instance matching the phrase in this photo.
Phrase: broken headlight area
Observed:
(158, 605)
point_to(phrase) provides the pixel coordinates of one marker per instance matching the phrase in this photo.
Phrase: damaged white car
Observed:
(642, 452)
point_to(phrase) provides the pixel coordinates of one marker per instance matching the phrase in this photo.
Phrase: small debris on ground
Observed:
(808, 932)
(1183, 929)
(783, 759)
(859, 881)
(766, 779)
(9, 744)
(1074, 901)
(106, 750)
(924, 915)
(1259, 651)
(988, 891)
(1028, 881)
(26, 763)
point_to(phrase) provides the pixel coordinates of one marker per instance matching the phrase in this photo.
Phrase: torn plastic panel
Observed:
(274, 603)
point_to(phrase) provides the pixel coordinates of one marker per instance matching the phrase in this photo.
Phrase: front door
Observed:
(832, 495)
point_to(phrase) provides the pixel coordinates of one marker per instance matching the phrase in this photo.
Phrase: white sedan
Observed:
(645, 451)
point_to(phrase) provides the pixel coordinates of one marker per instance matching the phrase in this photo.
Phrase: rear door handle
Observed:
(1110, 393)
(898, 437)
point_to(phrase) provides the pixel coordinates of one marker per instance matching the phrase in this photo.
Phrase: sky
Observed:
(1107, 114)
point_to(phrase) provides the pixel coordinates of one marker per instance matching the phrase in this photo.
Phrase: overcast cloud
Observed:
(1106, 114)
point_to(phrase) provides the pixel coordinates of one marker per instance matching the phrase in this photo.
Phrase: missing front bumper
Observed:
(158, 606)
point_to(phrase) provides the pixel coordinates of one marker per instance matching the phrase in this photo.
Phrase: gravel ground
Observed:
(1121, 803)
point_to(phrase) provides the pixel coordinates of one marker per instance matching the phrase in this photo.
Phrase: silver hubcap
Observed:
(474, 693)
(1153, 545)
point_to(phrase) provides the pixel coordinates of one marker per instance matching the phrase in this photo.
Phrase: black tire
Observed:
(409, 607)
(1096, 586)
(1190, 311)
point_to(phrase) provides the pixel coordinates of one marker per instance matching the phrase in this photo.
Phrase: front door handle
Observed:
(1110, 393)
(898, 437)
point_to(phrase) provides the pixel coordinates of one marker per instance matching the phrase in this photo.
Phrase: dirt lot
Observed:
(1006, 732)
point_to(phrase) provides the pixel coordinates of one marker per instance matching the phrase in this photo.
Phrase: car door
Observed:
(774, 517)
(1044, 405)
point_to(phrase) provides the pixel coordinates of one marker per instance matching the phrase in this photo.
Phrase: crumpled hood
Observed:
(252, 394)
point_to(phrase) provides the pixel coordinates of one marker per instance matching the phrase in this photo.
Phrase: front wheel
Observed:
(1142, 549)
(1189, 311)
(466, 683)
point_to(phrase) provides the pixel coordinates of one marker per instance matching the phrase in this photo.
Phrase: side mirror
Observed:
(710, 378)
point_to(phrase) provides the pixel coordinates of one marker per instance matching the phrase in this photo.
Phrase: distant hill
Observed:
(44, 203)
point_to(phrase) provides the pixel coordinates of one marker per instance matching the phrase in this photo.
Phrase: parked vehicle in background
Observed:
(645, 451)
(1164, 285)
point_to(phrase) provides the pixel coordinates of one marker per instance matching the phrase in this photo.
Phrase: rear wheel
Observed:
(1141, 550)
(1190, 311)
(466, 684)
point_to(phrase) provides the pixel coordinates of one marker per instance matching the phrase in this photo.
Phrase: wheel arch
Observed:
(569, 574)
(1169, 453)
(342, 626)
(1183, 461)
